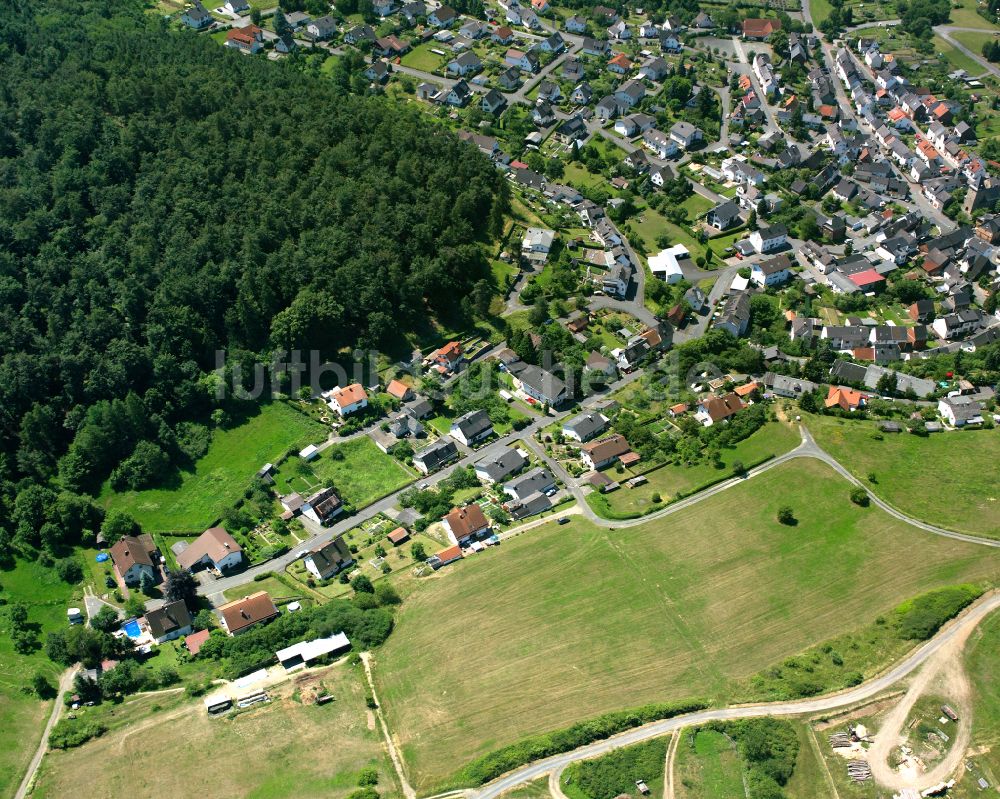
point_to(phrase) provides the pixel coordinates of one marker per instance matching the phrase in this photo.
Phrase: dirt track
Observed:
(946, 673)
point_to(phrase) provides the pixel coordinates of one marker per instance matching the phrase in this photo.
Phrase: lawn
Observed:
(649, 224)
(270, 752)
(23, 715)
(362, 475)
(576, 620)
(956, 57)
(966, 17)
(275, 587)
(421, 57)
(947, 479)
(696, 206)
(707, 766)
(775, 438)
(576, 174)
(198, 497)
(975, 41)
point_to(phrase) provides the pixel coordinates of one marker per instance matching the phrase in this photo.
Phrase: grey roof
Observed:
(441, 451)
(473, 423)
(529, 506)
(542, 382)
(586, 425)
(535, 481)
(506, 463)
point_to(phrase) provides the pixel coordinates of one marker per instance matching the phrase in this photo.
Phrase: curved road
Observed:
(969, 619)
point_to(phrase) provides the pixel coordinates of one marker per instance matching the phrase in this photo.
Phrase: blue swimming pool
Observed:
(131, 628)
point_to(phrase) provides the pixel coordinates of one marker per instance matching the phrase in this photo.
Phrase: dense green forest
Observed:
(162, 197)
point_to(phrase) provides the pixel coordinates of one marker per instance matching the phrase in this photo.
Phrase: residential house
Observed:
(620, 64)
(495, 469)
(662, 145)
(685, 134)
(541, 385)
(239, 616)
(493, 102)
(442, 17)
(960, 411)
(602, 453)
(327, 560)
(575, 24)
(447, 359)
(322, 506)
(195, 16)
(347, 399)
(214, 548)
(772, 272)
(526, 61)
(768, 239)
(724, 215)
(713, 410)
(537, 244)
(472, 427)
(169, 621)
(848, 399)
(435, 456)
(735, 314)
(467, 524)
(464, 64)
(135, 557)
(459, 94)
(502, 35)
(584, 427)
(249, 39)
(322, 28)
(537, 481)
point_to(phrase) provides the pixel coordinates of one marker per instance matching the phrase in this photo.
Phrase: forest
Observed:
(162, 198)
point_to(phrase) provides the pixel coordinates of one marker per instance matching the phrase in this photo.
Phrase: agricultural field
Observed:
(22, 714)
(916, 474)
(775, 438)
(198, 497)
(269, 752)
(684, 606)
(360, 471)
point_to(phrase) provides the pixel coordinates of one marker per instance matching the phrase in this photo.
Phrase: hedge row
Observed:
(919, 618)
(500, 761)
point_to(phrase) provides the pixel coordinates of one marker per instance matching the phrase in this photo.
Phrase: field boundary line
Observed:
(394, 755)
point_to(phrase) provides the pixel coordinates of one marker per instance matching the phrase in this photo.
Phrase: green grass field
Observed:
(707, 766)
(948, 479)
(774, 438)
(966, 17)
(956, 57)
(23, 715)
(574, 620)
(364, 474)
(421, 57)
(276, 751)
(219, 479)
(982, 653)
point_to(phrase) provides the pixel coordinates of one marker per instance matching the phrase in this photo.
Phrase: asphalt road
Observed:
(972, 617)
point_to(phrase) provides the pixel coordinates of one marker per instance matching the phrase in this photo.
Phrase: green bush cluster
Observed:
(768, 748)
(502, 760)
(616, 772)
(75, 732)
(919, 618)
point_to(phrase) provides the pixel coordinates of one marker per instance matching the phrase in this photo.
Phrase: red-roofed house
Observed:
(620, 64)
(448, 358)
(348, 400)
(249, 39)
(399, 390)
(194, 642)
(846, 398)
(760, 28)
(868, 280)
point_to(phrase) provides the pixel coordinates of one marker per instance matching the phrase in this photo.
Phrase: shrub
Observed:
(75, 732)
(368, 776)
(860, 497)
(785, 515)
(919, 618)
(616, 772)
(502, 760)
